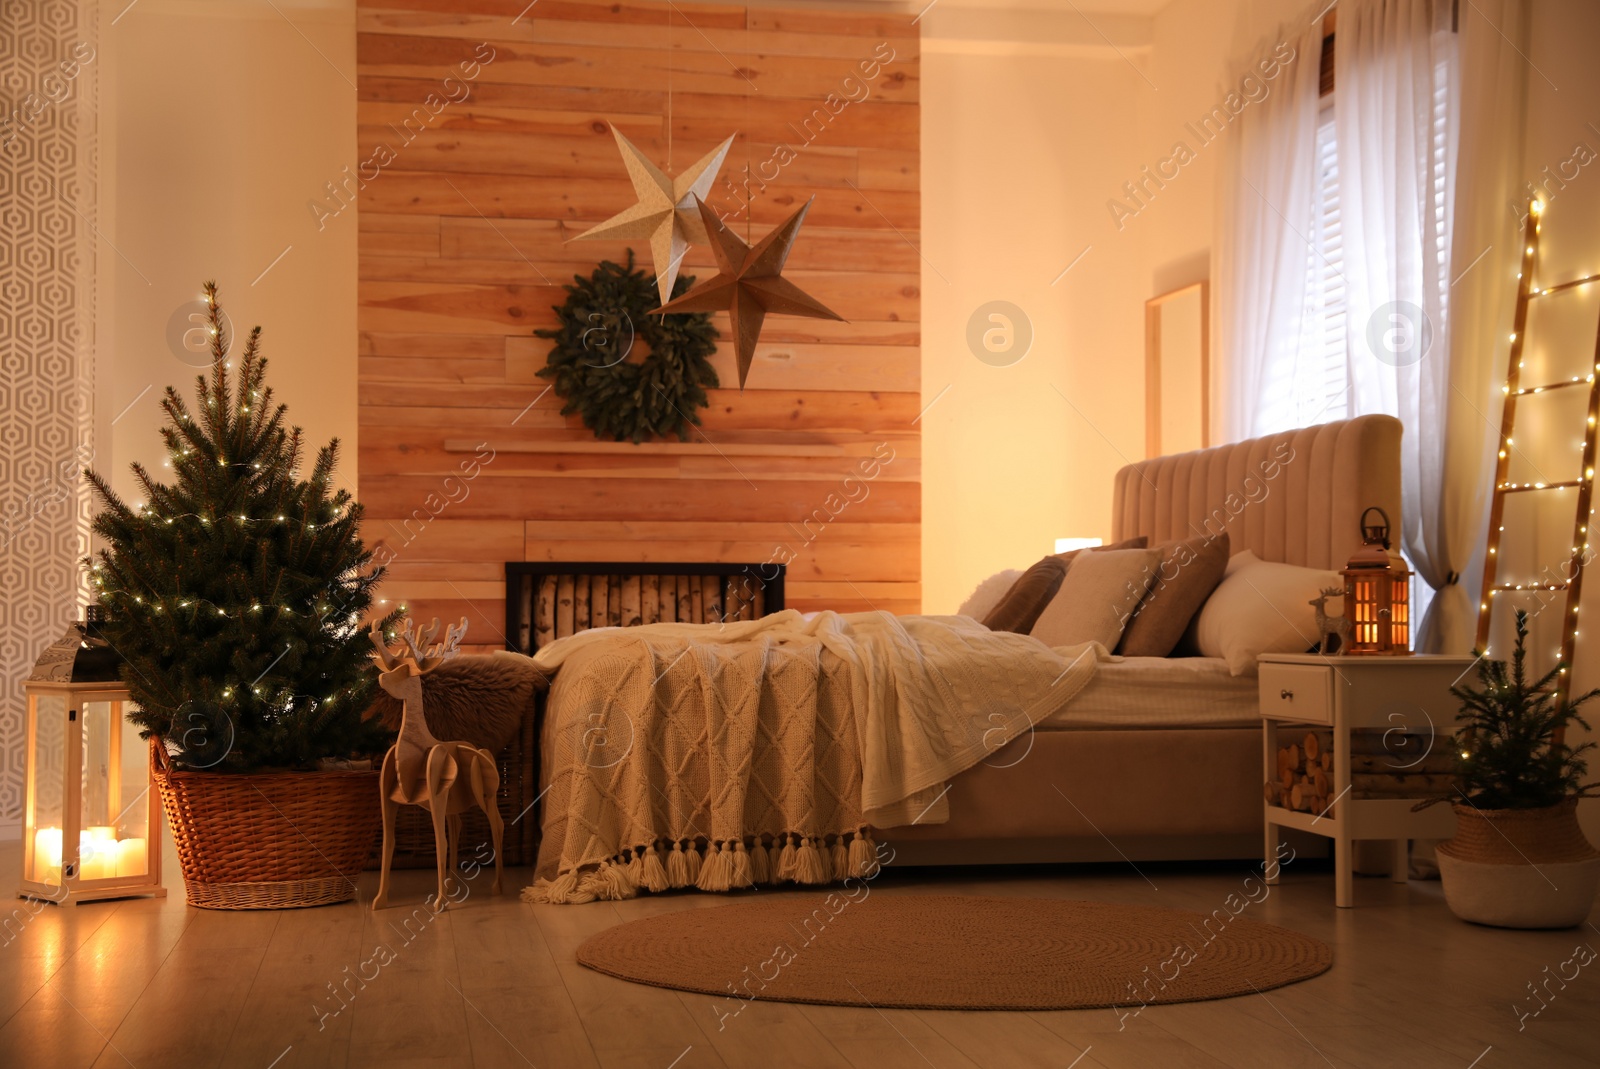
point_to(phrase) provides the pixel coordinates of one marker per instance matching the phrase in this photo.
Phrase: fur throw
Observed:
(475, 698)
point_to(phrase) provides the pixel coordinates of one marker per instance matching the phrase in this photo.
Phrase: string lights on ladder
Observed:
(1513, 390)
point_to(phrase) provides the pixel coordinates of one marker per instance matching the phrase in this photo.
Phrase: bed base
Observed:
(1168, 794)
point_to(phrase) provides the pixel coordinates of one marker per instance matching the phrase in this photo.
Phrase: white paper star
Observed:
(666, 212)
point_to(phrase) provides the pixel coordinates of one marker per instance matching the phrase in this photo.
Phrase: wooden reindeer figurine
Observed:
(421, 770)
(1333, 632)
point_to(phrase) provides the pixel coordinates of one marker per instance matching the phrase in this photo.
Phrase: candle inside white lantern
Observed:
(131, 860)
(101, 855)
(47, 855)
(97, 858)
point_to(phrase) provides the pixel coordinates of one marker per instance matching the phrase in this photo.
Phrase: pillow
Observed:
(988, 594)
(1261, 607)
(1136, 542)
(1099, 594)
(1027, 597)
(1020, 608)
(1186, 575)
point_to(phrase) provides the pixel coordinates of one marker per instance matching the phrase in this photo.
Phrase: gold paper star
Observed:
(749, 283)
(665, 212)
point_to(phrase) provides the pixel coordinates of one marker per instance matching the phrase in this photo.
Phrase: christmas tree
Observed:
(235, 595)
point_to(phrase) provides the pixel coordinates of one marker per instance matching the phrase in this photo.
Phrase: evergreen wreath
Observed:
(607, 315)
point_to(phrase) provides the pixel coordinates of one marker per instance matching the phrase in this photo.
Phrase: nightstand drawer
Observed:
(1296, 692)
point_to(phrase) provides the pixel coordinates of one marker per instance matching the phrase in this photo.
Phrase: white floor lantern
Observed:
(91, 823)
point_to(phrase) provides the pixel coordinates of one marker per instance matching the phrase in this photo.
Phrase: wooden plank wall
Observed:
(463, 250)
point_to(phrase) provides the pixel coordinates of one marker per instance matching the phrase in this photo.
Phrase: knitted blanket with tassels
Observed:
(723, 755)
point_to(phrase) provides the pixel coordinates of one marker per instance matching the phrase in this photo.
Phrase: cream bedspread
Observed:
(767, 738)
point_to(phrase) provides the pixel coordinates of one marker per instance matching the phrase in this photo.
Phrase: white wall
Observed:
(1564, 112)
(1031, 124)
(222, 120)
(1020, 149)
(1194, 44)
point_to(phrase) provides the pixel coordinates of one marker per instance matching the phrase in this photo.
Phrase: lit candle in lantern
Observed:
(97, 857)
(47, 855)
(131, 859)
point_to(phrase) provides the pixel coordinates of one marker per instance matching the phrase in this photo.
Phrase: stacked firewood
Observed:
(566, 604)
(1305, 775)
(1399, 764)
(1383, 764)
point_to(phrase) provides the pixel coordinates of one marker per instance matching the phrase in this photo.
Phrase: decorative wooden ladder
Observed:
(1572, 583)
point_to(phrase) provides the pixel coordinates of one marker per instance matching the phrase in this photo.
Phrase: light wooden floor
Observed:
(157, 985)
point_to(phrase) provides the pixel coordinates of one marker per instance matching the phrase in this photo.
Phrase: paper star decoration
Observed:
(749, 283)
(665, 212)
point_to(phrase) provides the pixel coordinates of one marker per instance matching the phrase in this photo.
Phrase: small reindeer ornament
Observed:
(1333, 632)
(447, 777)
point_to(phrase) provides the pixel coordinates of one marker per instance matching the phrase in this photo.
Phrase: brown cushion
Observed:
(1020, 608)
(1188, 572)
(1027, 597)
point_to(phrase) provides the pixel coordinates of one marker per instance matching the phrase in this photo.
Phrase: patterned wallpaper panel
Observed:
(47, 298)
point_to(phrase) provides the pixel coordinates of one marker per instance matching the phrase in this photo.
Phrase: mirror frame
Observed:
(1152, 365)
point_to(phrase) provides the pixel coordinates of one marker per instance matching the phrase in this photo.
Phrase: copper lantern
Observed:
(1377, 593)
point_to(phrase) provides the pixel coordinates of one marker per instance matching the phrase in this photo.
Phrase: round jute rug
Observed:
(952, 952)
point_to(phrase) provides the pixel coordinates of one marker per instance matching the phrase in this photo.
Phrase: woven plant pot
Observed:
(275, 840)
(1520, 868)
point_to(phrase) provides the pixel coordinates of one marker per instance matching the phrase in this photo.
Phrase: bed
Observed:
(1160, 758)
(1146, 758)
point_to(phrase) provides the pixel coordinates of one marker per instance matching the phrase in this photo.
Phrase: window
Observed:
(1320, 386)
(1321, 390)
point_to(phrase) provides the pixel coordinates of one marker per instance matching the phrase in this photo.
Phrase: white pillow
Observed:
(988, 594)
(1097, 598)
(1261, 607)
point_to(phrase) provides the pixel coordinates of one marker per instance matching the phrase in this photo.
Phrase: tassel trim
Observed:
(721, 865)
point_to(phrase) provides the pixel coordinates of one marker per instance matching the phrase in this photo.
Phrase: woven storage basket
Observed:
(1519, 836)
(519, 786)
(277, 840)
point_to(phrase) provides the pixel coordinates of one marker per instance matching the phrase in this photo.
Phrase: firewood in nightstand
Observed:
(1272, 793)
(1319, 779)
(1310, 746)
(1327, 761)
(1294, 756)
(1286, 777)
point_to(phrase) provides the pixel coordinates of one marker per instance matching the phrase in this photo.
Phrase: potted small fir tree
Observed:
(1519, 858)
(235, 597)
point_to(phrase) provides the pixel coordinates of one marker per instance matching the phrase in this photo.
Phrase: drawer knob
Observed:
(1286, 695)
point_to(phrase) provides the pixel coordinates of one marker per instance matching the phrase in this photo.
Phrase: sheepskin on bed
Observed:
(476, 698)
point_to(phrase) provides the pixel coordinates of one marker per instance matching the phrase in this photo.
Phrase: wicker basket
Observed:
(1519, 836)
(277, 840)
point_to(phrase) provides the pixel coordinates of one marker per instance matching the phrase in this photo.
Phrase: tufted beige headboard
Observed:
(1295, 497)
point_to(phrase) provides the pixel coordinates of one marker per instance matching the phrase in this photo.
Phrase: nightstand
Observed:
(1308, 693)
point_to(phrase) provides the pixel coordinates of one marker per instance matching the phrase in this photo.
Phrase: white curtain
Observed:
(1424, 319)
(1266, 216)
